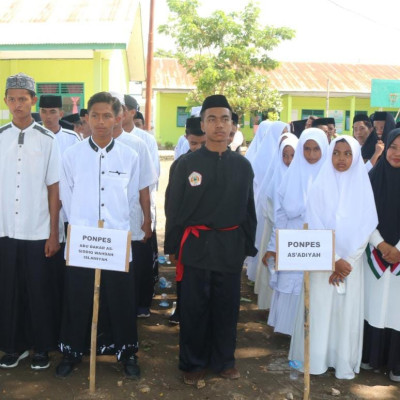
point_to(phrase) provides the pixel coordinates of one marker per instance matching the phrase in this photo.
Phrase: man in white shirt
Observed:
(100, 181)
(143, 283)
(142, 250)
(50, 111)
(181, 147)
(29, 208)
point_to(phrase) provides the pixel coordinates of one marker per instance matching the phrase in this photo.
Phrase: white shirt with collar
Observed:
(182, 141)
(99, 184)
(153, 149)
(148, 178)
(151, 145)
(66, 138)
(148, 174)
(29, 162)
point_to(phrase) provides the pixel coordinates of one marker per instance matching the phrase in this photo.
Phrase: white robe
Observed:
(286, 285)
(290, 213)
(342, 201)
(336, 323)
(263, 167)
(267, 201)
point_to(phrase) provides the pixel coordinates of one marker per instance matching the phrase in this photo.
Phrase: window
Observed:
(181, 116)
(72, 95)
(318, 113)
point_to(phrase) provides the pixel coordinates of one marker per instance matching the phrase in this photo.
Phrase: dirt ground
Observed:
(261, 358)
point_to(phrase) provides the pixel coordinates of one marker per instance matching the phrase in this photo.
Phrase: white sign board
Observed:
(98, 248)
(305, 250)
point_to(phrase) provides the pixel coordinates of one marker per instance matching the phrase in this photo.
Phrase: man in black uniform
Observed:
(211, 224)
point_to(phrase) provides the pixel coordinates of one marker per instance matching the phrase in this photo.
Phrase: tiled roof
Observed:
(292, 77)
(66, 21)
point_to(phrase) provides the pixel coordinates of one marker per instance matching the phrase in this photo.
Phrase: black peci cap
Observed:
(72, 118)
(216, 100)
(361, 117)
(66, 125)
(50, 101)
(299, 126)
(322, 121)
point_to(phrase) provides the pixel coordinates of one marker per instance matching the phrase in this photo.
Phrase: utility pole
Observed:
(149, 77)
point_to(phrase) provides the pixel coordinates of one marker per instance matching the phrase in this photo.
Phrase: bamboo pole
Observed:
(306, 394)
(93, 342)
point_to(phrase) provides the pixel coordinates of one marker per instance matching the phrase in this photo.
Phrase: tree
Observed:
(226, 54)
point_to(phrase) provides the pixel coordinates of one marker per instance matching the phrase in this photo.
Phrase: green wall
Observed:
(57, 70)
(167, 104)
(350, 104)
(166, 129)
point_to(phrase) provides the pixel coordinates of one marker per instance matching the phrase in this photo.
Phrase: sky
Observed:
(340, 31)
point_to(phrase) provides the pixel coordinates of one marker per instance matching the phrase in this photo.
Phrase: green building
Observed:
(337, 90)
(73, 49)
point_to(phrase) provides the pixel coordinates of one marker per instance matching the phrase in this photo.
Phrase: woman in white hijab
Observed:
(267, 204)
(341, 198)
(290, 214)
(266, 151)
(258, 137)
(262, 165)
(264, 222)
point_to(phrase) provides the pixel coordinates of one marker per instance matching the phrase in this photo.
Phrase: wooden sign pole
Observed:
(288, 259)
(93, 343)
(306, 394)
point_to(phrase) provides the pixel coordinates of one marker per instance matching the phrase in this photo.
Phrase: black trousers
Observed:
(142, 259)
(381, 348)
(178, 298)
(26, 297)
(209, 311)
(117, 312)
(56, 267)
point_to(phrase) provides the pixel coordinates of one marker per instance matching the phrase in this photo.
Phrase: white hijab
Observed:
(259, 136)
(293, 190)
(281, 168)
(262, 192)
(343, 201)
(267, 149)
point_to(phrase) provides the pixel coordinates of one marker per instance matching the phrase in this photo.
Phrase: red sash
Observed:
(195, 230)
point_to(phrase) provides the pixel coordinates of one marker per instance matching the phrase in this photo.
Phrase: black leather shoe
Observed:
(65, 367)
(131, 368)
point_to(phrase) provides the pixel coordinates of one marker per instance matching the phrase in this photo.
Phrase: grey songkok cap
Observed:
(20, 81)
(131, 102)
